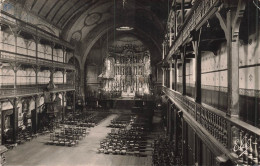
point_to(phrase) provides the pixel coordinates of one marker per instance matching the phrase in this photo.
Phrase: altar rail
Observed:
(32, 90)
(200, 10)
(240, 138)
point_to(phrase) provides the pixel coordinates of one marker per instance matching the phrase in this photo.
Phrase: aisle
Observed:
(35, 153)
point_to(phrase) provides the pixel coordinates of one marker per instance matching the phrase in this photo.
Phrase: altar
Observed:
(128, 93)
(126, 74)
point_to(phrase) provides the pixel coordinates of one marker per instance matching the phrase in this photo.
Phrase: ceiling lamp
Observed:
(125, 19)
(124, 28)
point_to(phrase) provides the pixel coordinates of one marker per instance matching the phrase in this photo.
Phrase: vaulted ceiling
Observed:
(85, 21)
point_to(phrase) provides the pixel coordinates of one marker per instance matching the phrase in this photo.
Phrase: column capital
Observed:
(15, 66)
(52, 70)
(36, 97)
(14, 100)
(64, 71)
(36, 39)
(36, 68)
(64, 48)
(53, 45)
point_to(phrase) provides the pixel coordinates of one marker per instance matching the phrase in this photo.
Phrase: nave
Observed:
(36, 152)
(83, 82)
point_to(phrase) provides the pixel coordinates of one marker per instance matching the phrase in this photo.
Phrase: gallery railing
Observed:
(11, 21)
(32, 89)
(32, 60)
(196, 16)
(240, 138)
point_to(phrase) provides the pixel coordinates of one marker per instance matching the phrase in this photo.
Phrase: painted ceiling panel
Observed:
(84, 20)
(28, 4)
(64, 8)
(46, 7)
(69, 11)
(37, 5)
(54, 9)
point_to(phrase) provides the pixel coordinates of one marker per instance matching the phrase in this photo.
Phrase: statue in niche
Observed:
(128, 61)
(123, 71)
(147, 65)
(140, 61)
(140, 71)
(109, 68)
(129, 71)
(118, 71)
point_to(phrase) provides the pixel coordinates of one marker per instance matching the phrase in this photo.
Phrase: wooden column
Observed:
(170, 75)
(52, 71)
(52, 50)
(175, 73)
(37, 41)
(63, 79)
(167, 118)
(1, 123)
(182, 11)
(197, 52)
(184, 142)
(37, 68)
(175, 126)
(15, 118)
(175, 21)
(35, 115)
(230, 23)
(74, 102)
(183, 54)
(233, 70)
(63, 54)
(170, 123)
(15, 69)
(163, 53)
(74, 92)
(163, 76)
(63, 106)
(170, 34)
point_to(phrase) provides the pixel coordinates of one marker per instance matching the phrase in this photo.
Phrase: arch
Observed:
(97, 33)
(74, 60)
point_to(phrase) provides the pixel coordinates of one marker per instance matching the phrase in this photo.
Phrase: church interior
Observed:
(129, 82)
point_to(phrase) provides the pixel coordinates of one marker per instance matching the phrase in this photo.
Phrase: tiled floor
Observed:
(35, 153)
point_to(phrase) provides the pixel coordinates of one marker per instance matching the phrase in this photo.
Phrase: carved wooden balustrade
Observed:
(11, 21)
(32, 89)
(25, 59)
(240, 138)
(198, 12)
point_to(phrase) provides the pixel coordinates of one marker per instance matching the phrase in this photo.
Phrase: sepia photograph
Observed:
(129, 83)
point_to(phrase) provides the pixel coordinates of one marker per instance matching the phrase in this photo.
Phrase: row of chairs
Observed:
(163, 153)
(68, 136)
(25, 136)
(79, 131)
(121, 121)
(63, 140)
(128, 140)
(86, 119)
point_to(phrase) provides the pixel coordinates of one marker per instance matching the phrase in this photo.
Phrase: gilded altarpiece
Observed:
(127, 73)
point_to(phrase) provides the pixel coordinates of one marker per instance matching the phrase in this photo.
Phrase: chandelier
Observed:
(125, 26)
